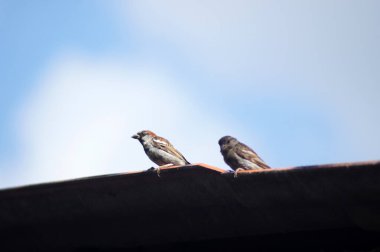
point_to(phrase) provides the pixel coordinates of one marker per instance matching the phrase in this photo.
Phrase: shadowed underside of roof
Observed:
(199, 205)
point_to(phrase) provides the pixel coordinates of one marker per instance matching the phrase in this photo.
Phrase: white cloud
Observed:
(80, 118)
(323, 51)
(244, 37)
(209, 32)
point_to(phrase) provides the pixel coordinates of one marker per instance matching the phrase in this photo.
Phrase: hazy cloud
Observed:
(80, 118)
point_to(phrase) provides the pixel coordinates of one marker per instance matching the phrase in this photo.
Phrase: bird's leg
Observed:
(237, 171)
(159, 168)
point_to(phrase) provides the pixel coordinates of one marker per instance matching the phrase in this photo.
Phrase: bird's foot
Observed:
(158, 170)
(237, 171)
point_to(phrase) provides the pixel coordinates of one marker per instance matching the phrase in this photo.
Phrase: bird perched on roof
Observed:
(160, 150)
(239, 156)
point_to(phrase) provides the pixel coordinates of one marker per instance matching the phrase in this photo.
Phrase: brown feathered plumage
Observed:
(239, 156)
(159, 150)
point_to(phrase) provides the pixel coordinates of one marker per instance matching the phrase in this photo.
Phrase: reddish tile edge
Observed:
(220, 170)
(198, 166)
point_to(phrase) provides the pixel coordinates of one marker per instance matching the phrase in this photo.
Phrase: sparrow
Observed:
(159, 150)
(239, 156)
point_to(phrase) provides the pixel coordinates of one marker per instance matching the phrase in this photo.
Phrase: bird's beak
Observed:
(135, 136)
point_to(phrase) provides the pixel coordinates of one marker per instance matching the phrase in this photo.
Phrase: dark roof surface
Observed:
(191, 203)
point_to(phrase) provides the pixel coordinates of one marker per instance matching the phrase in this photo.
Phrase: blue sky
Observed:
(298, 81)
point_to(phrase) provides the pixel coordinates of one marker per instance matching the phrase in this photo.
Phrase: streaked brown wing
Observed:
(165, 145)
(247, 153)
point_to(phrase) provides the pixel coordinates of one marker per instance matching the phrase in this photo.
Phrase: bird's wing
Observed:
(165, 145)
(247, 153)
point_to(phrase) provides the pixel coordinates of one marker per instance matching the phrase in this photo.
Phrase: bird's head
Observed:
(144, 135)
(227, 141)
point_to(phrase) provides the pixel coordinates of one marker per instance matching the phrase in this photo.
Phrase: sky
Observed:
(298, 81)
